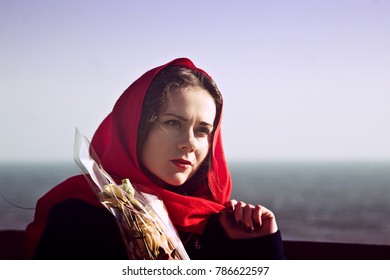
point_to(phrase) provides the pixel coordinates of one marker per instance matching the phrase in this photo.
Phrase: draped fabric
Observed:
(115, 142)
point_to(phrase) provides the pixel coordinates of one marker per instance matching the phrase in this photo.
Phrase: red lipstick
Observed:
(181, 163)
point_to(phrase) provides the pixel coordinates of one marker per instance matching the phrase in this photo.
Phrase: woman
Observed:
(164, 135)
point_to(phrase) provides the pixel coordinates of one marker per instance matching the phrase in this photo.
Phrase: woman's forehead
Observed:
(190, 101)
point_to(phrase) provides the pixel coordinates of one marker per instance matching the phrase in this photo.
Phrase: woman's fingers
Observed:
(230, 205)
(245, 215)
(256, 216)
(248, 215)
(242, 220)
(239, 213)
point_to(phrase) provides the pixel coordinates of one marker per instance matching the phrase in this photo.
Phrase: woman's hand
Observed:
(242, 221)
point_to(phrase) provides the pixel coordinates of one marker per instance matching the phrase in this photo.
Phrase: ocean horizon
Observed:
(327, 201)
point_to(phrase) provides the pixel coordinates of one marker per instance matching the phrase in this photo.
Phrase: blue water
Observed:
(314, 201)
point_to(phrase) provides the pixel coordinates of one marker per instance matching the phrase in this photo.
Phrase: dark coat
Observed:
(76, 230)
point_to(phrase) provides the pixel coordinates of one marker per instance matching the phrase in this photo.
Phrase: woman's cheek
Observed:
(203, 149)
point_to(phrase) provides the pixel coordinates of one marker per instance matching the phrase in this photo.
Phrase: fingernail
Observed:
(249, 229)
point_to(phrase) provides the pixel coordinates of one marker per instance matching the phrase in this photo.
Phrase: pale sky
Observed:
(300, 79)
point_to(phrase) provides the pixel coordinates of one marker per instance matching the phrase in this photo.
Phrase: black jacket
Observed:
(76, 230)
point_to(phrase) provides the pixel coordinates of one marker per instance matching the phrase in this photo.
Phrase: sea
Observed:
(326, 201)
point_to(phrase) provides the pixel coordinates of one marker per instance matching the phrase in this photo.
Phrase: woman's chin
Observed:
(177, 181)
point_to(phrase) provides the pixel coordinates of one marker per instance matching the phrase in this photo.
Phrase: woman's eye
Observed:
(203, 131)
(173, 123)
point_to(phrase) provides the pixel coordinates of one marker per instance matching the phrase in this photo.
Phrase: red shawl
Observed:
(115, 143)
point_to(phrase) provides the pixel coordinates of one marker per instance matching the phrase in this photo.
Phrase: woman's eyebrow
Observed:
(176, 116)
(203, 123)
(206, 124)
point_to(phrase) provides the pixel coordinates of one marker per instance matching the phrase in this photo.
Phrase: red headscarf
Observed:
(115, 143)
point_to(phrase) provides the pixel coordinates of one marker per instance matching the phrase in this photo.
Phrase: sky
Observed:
(301, 80)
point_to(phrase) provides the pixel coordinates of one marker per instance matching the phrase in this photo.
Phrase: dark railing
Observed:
(12, 248)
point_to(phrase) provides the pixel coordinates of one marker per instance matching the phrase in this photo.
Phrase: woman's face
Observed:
(179, 140)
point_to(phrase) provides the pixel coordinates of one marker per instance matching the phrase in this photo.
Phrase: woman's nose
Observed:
(187, 141)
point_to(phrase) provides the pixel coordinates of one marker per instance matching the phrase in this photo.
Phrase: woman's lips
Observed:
(182, 163)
